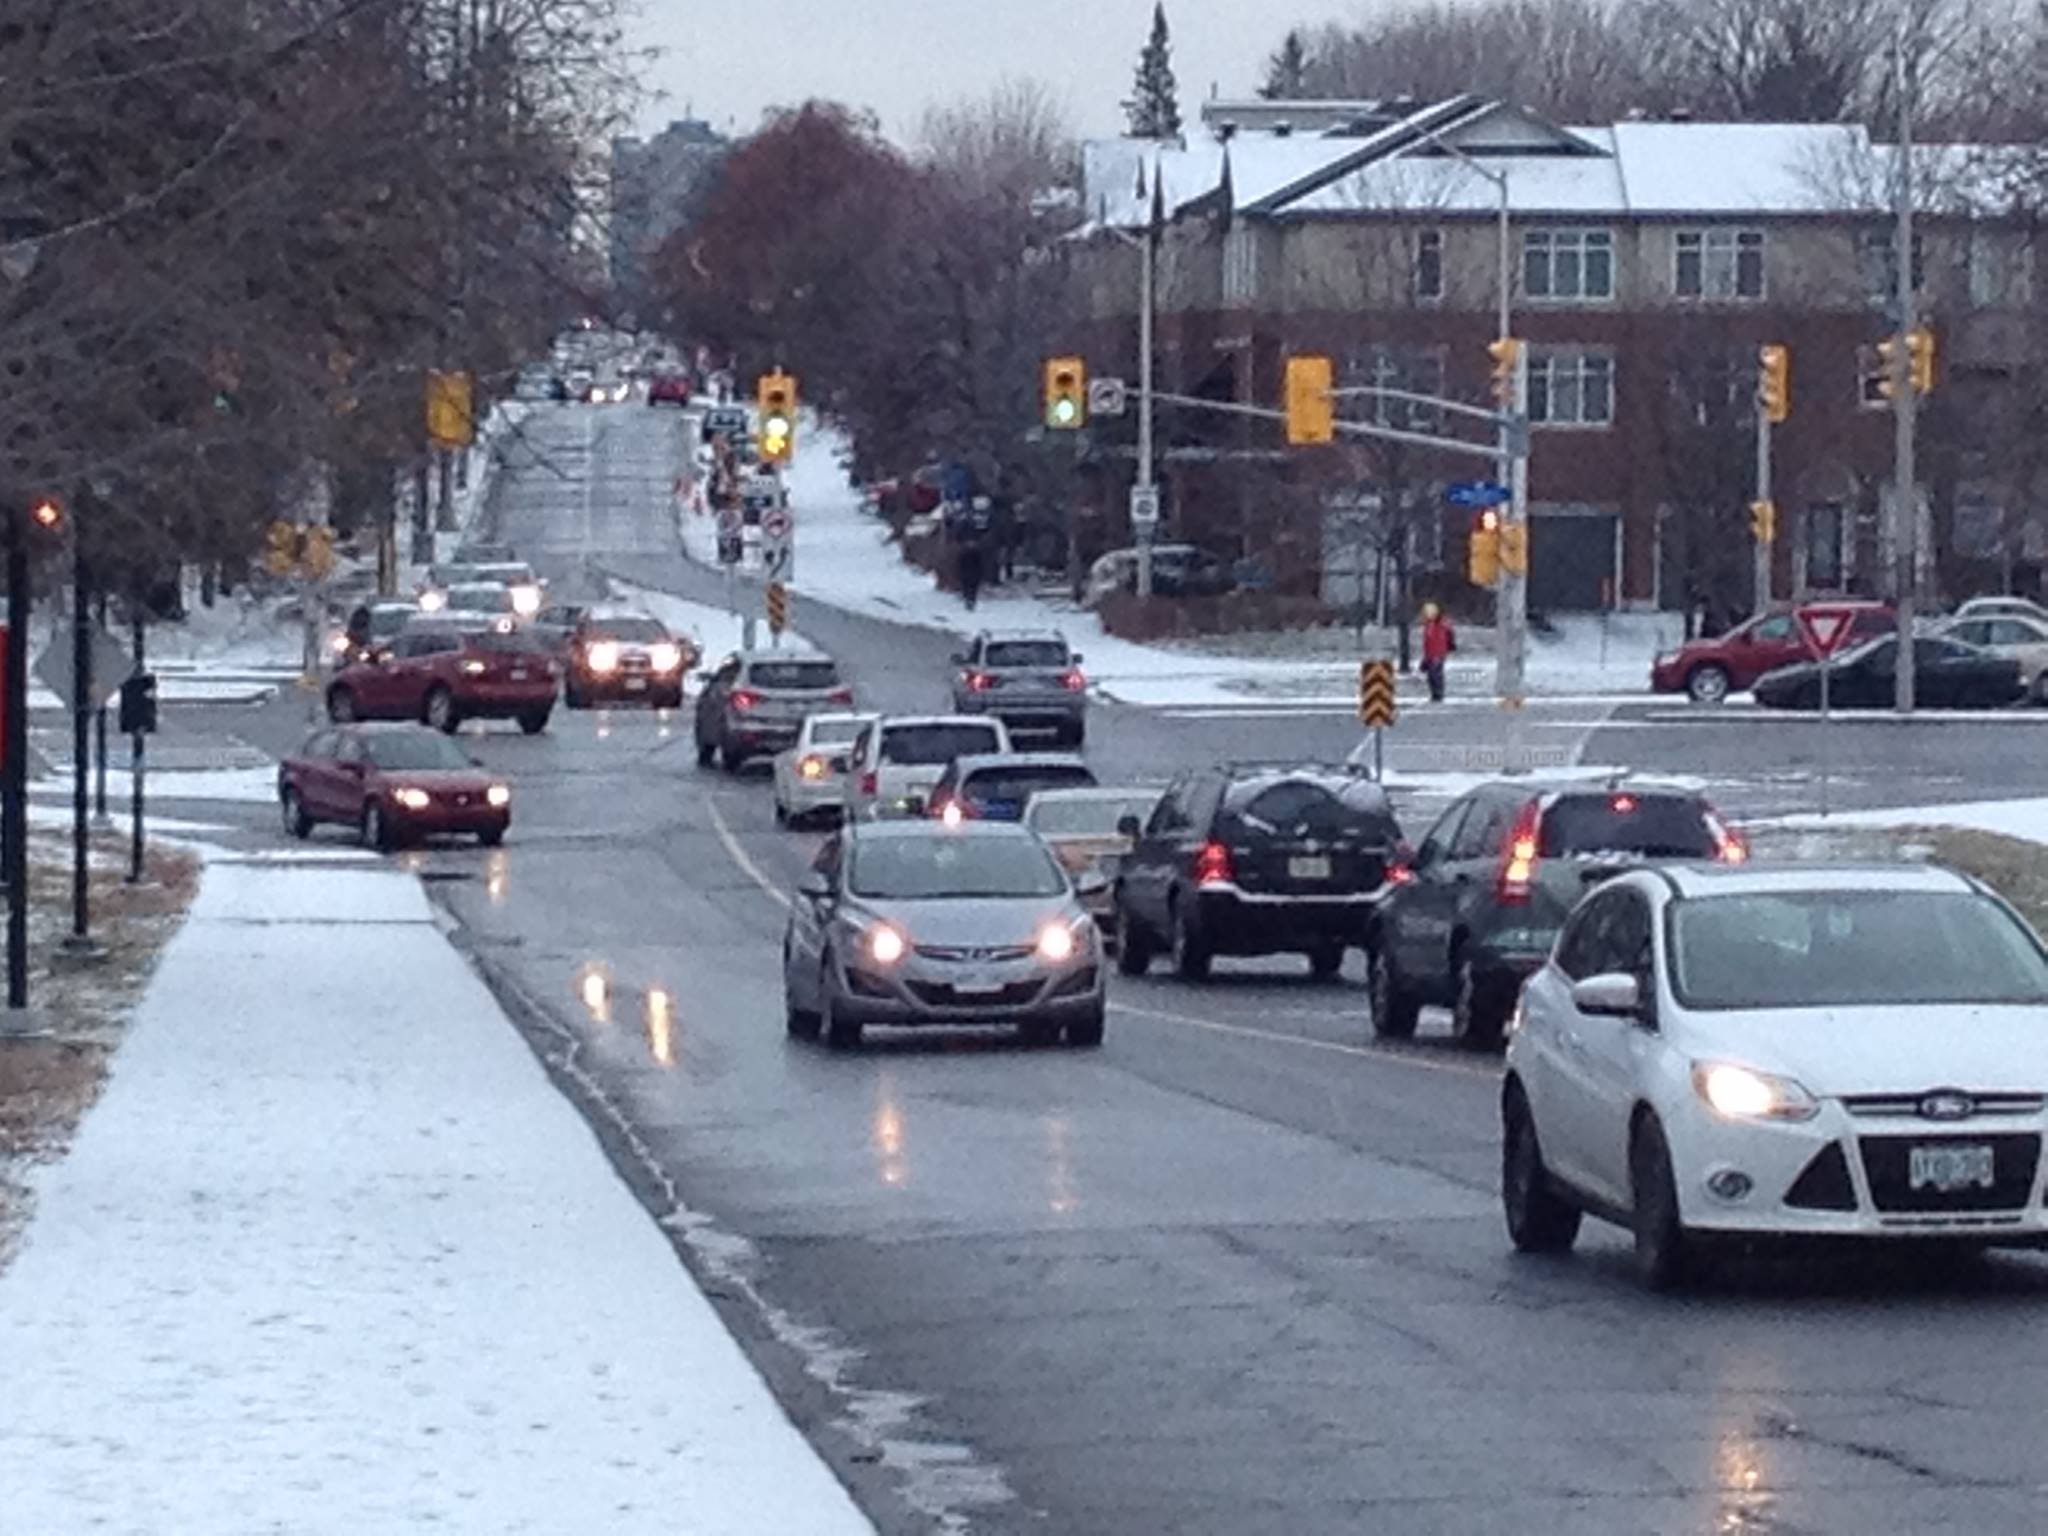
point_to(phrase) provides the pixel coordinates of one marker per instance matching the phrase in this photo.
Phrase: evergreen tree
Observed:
(1154, 106)
(1287, 70)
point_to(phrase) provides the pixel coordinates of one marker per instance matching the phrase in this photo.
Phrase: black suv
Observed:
(1476, 908)
(1255, 859)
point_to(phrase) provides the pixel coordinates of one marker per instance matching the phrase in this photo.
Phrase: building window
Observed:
(1571, 387)
(1568, 264)
(2001, 271)
(1876, 256)
(1418, 370)
(1720, 264)
(1429, 265)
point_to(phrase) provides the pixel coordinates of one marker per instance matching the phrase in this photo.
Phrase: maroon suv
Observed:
(1710, 670)
(394, 784)
(446, 674)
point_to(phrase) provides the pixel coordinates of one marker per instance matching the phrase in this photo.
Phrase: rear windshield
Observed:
(634, 631)
(830, 732)
(1655, 826)
(793, 674)
(1306, 808)
(928, 744)
(1024, 653)
(1016, 785)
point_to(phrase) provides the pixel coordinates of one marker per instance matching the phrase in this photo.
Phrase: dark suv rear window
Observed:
(1302, 808)
(1024, 653)
(1654, 826)
(793, 674)
(1020, 784)
(923, 745)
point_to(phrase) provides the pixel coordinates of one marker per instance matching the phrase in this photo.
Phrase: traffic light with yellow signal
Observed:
(1482, 550)
(1066, 393)
(1919, 362)
(1311, 413)
(1506, 353)
(1763, 521)
(1774, 382)
(775, 397)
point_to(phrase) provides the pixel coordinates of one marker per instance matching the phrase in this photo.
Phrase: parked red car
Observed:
(1710, 670)
(394, 784)
(669, 389)
(446, 674)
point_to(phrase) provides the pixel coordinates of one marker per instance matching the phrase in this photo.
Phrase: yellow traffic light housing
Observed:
(1311, 413)
(1482, 550)
(1763, 521)
(1774, 382)
(1919, 362)
(775, 399)
(1506, 353)
(1066, 393)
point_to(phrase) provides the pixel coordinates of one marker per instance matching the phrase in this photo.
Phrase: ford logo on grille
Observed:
(1947, 1104)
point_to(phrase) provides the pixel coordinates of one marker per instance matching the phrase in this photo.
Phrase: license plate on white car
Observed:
(1313, 866)
(977, 984)
(1950, 1167)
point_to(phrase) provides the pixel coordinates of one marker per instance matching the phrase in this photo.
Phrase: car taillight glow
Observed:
(840, 696)
(1518, 863)
(871, 783)
(1074, 682)
(603, 657)
(980, 682)
(811, 768)
(952, 813)
(1400, 874)
(744, 700)
(1212, 865)
(1729, 848)
(1623, 805)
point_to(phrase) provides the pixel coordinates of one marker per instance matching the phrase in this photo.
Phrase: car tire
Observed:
(2040, 692)
(706, 754)
(1395, 1010)
(1074, 736)
(782, 815)
(840, 1034)
(1664, 1258)
(1477, 1017)
(1325, 961)
(341, 706)
(572, 696)
(491, 837)
(296, 822)
(731, 759)
(1133, 944)
(377, 833)
(802, 1023)
(1707, 684)
(1038, 1033)
(1086, 1032)
(1191, 952)
(439, 711)
(1540, 1220)
(534, 721)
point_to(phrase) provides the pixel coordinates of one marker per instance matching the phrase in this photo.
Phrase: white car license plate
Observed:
(977, 984)
(519, 674)
(636, 685)
(1308, 867)
(1948, 1168)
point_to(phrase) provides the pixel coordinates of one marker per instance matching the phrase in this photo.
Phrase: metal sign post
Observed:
(1824, 627)
(1377, 708)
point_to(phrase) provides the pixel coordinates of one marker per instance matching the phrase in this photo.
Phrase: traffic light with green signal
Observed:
(775, 398)
(1066, 393)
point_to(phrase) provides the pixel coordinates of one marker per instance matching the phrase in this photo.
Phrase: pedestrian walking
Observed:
(1438, 641)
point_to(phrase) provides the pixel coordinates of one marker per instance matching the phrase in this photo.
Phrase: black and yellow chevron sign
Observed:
(778, 607)
(1376, 706)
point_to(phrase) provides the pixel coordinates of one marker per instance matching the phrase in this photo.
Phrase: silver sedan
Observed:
(918, 923)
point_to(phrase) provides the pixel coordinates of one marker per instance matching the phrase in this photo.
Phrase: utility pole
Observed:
(1145, 529)
(137, 751)
(1513, 601)
(99, 816)
(80, 941)
(14, 810)
(1905, 404)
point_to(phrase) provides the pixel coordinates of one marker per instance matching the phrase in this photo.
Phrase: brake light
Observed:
(1729, 848)
(840, 696)
(1212, 865)
(980, 682)
(1518, 862)
(952, 813)
(1623, 805)
(1400, 874)
(871, 783)
(812, 767)
(744, 699)
(1074, 682)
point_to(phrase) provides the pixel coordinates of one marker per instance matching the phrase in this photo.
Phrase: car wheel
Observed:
(2041, 688)
(1477, 1017)
(705, 753)
(1086, 1031)
(1663, 1251)
(440, 710)
(1540, 1220)
(1037, 1033)
(296, 822)
(1191, 952)
(1325, 961)
(1133, 943)
(572, 696)
(782, 815)
(491, 837)
(1394, 1009)
(732, 759)
(840, 1034)
(534, 721)
(1707, 684)
(803, 1023)
(376, 829)
(341, 706)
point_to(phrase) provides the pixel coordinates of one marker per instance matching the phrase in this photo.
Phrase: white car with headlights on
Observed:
(1824, 1051)
(810, 777)
(919, 923)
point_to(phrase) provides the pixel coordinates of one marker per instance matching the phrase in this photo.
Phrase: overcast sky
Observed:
(729, 62)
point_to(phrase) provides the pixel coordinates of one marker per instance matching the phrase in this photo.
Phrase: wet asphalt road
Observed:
(1241, 1271)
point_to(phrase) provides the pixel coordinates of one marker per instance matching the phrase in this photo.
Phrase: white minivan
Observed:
(896, 760)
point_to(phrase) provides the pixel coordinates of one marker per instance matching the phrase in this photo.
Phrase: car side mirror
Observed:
(1611, 994)
(815, 885)
(1090, 882)
(1076, 658)
(1128, 826)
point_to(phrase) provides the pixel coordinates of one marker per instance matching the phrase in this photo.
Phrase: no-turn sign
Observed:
(776, 523)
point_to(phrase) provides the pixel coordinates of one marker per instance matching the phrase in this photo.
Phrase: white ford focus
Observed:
(1817, 1050)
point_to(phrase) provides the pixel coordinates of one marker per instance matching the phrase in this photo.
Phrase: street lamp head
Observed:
(46, 515)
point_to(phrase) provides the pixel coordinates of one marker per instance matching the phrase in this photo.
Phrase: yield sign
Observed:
(1825, 626)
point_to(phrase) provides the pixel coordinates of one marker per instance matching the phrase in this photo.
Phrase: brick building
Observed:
(1648, 261)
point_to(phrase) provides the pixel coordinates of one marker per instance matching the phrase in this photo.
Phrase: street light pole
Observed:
(1905, 490)
(80, 939)
(14, 807)
(1144, 531)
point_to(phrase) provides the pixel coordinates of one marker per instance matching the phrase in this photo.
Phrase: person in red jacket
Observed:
(1438, 641)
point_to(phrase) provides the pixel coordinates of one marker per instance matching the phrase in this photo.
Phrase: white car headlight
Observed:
(885, 946)
(602, 657)
(433, 602)
(665, 657)
(1058, 941)
(498, 796)
(412, 799)
(1741, 1093)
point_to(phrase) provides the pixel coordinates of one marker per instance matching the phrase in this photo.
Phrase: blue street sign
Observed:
(1476, 493)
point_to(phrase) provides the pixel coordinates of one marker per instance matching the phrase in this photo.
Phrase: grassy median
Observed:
(2015, 868)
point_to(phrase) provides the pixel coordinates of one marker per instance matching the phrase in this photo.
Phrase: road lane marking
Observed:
(1338, 1047)
(741, 857)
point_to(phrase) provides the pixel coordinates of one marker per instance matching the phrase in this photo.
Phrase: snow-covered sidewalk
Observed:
(333, 1255)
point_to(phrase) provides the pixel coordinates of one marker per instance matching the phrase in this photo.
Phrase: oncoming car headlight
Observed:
(885, 946)
(498, 796)
(412, 799)
(602, 657)
(1059, 941)
(1741, 1093)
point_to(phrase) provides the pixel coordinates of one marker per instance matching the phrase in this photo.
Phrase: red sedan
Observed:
(394, 784)
(444, 675)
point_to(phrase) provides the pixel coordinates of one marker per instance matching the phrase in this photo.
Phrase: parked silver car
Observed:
(918, 923)
(1028, 679)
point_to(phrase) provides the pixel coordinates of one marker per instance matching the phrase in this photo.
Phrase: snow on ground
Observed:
(846, 558)
(716, 631)
(240, 786)
(239, 637)
(332, 1254)
(2026, 820)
